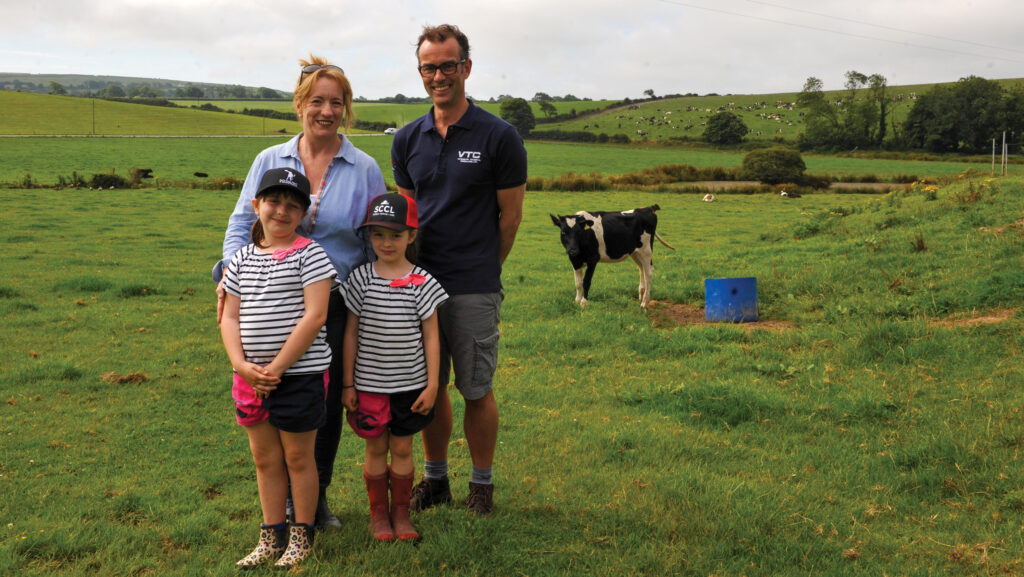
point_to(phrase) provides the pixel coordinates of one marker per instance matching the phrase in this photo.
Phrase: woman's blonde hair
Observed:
(307, 80)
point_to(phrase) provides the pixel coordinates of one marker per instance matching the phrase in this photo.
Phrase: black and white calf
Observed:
(593, 237)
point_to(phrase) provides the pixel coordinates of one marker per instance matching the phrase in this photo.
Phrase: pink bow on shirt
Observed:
(412, 279)
(282, 253)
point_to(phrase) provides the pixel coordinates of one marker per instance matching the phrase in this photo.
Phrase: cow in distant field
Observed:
(593, 237)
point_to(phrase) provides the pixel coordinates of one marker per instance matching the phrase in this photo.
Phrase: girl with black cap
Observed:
(276, 293)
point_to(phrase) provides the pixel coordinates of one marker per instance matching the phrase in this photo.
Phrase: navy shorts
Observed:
(296, 406)
(378, 412)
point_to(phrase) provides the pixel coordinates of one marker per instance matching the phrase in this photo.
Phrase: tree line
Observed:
(114, 90)
(962, 117)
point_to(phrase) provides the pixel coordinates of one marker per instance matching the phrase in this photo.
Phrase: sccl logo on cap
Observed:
(384, 208)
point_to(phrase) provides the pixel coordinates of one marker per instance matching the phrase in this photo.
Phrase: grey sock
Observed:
(435, 469)
(481, 476)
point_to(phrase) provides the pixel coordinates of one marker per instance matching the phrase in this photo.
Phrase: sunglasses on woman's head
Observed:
(311, 68)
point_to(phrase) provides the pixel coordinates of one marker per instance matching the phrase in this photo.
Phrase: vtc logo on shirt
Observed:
(469, 156)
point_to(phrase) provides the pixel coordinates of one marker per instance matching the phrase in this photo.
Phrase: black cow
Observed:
(593, 237)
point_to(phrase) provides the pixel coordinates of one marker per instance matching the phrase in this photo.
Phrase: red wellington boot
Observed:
(380, 518)
(401, 491)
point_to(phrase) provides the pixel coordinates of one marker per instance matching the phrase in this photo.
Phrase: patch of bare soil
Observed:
(668, 315)
(732, 184)
(129, 378)
(973, 319)
(999, 230)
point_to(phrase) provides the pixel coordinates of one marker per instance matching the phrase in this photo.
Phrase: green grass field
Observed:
(34, 114)
(869, 424)
(175, 160)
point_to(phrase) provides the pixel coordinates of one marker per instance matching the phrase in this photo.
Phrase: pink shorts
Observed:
(378, 412)
(249, 409)
(297, 406)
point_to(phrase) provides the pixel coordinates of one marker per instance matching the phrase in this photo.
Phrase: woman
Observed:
(344, 180)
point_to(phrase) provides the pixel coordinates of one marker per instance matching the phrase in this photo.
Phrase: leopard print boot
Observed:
(300, 546)
(273, 541)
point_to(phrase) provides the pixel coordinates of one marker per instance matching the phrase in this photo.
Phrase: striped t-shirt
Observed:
(273, 302)
(390, 357)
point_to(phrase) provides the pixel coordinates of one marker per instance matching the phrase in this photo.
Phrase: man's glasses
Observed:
(446, 68)
(311, 68)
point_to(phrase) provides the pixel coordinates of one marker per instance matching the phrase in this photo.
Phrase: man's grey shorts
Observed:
(469, 341)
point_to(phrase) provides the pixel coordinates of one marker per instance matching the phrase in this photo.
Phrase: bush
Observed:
(535, 183)
(725, 128)
(266, 113)
(108, 180)
(669, 173)
(774, 165)
(578, 183)
(517, 112)
(146, 101)
(716, 173)
(816, 181)
(663, 174)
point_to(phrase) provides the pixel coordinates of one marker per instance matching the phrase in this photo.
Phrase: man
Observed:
(466, 168)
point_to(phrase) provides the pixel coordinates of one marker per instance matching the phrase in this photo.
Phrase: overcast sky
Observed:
(601, 49)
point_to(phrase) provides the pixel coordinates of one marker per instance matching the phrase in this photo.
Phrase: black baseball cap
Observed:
(285, 180)
(392, 210)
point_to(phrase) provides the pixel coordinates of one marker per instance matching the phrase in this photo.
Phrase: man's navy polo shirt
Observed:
(455, 180)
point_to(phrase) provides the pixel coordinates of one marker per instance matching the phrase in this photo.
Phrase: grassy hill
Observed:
(40, 114)
(768, 116)
(27, 113)
(82, 84)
